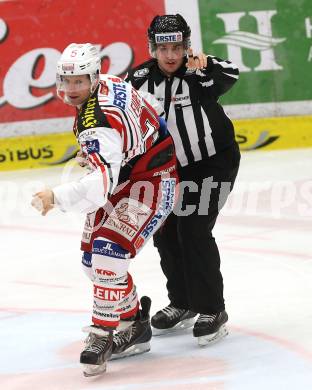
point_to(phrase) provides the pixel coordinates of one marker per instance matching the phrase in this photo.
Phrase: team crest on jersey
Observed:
(93, 146)
(141, 72)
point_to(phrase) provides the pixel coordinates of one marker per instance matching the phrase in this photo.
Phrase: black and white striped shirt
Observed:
(196, 121)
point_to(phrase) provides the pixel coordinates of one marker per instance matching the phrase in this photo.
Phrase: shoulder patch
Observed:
(141, 72)
(93, 146)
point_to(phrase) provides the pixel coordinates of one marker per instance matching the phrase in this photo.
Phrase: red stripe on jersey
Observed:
(130, 283)
(134, 131)
(115, 120)
(151, 108)
(115, 124)
(114, 113)
(97, 162)
(91, 161)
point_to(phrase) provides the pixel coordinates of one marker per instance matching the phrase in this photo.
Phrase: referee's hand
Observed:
(198, 61)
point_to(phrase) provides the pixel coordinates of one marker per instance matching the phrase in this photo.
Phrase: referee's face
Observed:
(170, 57)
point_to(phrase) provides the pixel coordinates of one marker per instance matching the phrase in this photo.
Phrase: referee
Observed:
(189, 87)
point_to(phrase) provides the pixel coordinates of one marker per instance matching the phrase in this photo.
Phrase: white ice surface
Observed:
(264, 236)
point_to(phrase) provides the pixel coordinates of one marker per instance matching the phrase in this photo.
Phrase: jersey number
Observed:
(148, 122)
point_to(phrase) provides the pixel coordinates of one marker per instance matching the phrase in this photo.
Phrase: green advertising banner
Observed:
(269, 40)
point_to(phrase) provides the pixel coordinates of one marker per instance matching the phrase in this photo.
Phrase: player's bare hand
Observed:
(81, 158)
(43, 201)
(198, 61)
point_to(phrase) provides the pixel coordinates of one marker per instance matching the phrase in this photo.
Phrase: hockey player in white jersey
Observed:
(127, 194)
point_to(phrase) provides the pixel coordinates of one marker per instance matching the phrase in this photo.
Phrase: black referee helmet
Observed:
(162, 29)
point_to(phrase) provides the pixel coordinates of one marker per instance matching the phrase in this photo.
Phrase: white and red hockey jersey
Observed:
(115, 125)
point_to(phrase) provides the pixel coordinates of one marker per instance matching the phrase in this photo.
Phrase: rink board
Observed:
(39, 151)
(274, 133)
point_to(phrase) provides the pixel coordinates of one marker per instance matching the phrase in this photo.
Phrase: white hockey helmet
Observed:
(79, 59)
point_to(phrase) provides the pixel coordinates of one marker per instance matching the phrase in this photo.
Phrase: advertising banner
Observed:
(274, 59)
(269, 40)
(37, 151)
(33, 33)
(274, 133)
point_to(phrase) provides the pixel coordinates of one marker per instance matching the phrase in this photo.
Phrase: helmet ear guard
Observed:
(168, 28)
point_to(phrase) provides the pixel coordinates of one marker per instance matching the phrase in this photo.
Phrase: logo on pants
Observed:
(128, 217)
(105, 272)
(108, 294)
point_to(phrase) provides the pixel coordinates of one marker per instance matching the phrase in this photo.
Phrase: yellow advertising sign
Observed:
(274, 133)
(37, 151)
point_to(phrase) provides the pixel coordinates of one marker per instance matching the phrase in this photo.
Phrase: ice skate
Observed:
(210, 328)
(171, 319)
(135, 338)
(98, 350)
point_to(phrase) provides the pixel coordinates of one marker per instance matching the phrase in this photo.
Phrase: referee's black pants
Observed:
(189, 255)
